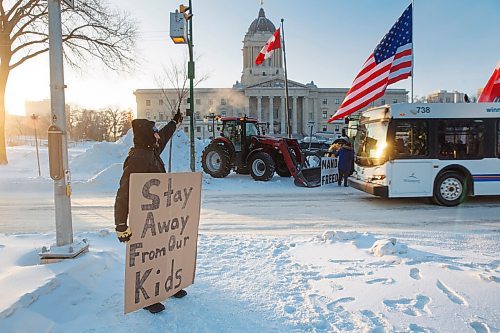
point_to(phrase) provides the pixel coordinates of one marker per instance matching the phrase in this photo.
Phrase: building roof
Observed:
(261, 24)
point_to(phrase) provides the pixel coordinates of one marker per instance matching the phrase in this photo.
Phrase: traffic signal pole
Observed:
(191, 88)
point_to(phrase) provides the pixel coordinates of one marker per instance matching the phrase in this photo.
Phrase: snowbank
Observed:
(254, 284)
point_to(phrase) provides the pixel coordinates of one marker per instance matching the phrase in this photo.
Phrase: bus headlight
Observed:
(378, 177)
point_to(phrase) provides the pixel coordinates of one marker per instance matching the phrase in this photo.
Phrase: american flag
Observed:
(390, 62)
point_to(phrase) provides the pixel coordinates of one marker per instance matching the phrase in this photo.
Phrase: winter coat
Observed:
(144, 157)
(346, 159)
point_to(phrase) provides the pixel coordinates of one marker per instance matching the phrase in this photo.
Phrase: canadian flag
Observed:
(491, 92)
(267, 51)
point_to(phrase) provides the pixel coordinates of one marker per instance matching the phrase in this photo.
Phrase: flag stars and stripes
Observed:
(391, 61)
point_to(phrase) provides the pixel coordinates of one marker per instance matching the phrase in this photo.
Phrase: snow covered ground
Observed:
(272, 257)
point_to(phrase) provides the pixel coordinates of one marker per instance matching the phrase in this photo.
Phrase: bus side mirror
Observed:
(55, 152)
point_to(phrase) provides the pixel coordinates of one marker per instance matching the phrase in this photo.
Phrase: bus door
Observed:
(410, 168)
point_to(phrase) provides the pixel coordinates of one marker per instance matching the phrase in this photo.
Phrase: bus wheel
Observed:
(450, 189)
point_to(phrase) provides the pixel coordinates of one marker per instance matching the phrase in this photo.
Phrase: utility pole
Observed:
(58, 146)
(178, 34)
(191, 86)
(35, 118)
(64, 228)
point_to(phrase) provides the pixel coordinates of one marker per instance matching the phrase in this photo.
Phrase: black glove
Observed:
(178, 117)
(123, 232)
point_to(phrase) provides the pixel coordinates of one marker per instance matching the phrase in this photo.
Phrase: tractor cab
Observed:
(239, 131)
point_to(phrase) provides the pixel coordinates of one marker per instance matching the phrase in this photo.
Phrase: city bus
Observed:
(442, 151)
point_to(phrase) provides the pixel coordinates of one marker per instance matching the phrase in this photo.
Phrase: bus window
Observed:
(411, 139)
(461, 139)
(498, 139)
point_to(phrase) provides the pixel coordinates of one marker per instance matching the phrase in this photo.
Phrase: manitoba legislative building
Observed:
(261, 94)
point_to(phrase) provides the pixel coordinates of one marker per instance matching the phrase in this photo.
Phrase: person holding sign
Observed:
(346, 160)
(144, 157)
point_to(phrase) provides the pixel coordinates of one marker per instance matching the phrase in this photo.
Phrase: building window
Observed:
(162, 117)
(382, 101)
(160, 102)
(310, 116)
(223, 113)
(337, 101)
(148, 102)
(210, 102)
(197, 115)
(222, 101)
(461, 139)
(210, 128)
(186, 129)
(394, 101)
(324, 114)
(324, 128)
(325, 101)
(198, 101)
(198, 129)
(148, 115)
(337, 128)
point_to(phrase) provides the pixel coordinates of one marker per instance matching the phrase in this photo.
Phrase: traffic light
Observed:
(183, 9)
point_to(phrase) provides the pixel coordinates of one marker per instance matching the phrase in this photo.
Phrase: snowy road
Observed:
(272, 258)
(256, 208)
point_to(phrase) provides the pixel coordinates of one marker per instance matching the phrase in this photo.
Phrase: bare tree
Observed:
(113, 115)
(125, 122)
(177, 78)
(90, 30)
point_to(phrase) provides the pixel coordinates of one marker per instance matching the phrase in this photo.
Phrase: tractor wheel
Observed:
(262, 166)
(282, 170)
(450, 189)
(216, 161)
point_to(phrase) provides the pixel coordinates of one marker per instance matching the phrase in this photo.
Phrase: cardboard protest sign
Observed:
(329, 170)
(164, 214)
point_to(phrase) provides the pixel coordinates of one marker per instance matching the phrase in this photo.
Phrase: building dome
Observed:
(261, 24)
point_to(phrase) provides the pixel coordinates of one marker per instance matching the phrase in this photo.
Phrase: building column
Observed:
(317, 116)
(259, 108)
(305, 115)
(294, 115)
(249, 112)
(271, 115)
(283, 115)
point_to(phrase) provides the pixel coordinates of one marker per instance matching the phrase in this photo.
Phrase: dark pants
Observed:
(343, 175)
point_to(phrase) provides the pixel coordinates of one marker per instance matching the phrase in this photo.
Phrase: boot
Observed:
(180, 294)
(155, 308)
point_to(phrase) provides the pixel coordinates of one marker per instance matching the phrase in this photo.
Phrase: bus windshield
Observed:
(370, 144)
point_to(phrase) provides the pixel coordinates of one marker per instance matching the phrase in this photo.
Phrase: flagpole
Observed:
(287, 110)
(412, 49)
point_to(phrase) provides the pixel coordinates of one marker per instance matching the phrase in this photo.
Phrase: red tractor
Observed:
(241, 148)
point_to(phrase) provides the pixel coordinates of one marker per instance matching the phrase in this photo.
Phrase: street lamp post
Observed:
(178, 34)
(191, 84)
(35, 118)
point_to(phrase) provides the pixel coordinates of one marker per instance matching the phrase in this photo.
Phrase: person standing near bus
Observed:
(346, 162)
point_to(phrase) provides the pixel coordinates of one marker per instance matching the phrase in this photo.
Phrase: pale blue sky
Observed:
(456, 46)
